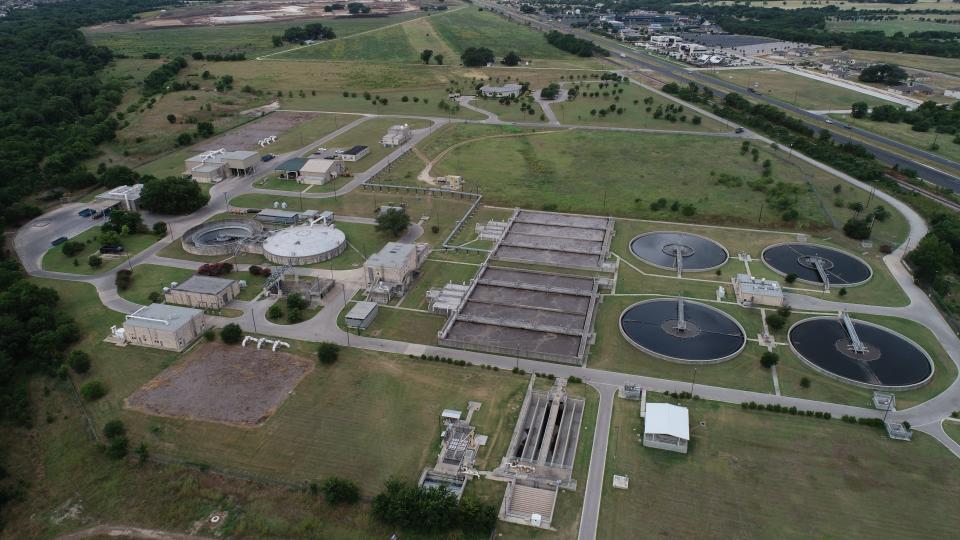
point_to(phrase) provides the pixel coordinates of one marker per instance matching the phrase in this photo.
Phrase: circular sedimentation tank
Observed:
(222, 237)
(707, 336)
(662, 248)
(801, 259)
(304, 244)
(891, 361)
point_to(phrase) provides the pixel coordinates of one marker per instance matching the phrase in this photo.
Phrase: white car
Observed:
(829, 121)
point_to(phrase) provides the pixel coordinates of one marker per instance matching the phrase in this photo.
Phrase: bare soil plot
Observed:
(246, 136)
(219, 383)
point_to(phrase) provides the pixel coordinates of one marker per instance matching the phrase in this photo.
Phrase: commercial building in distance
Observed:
(390, 271)
(204, 292)
(396, 135)
(217, 165)
(160, 326)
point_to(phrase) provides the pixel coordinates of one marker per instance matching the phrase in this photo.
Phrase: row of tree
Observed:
(299, 34)
(574, 45)
(929, 115)
(425, 510)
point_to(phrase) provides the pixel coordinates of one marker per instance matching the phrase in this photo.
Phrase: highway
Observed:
(902, 156)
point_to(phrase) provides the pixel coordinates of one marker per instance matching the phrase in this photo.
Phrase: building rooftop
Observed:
(393, 255)
(162, 317)
(512, 87)
(750, 284)
(355, 150)
(275, 213)
(204, 284)
(121, 193)
(667, 419)
(294, 164)
(240, 154)
(361, 310)
(317, 165)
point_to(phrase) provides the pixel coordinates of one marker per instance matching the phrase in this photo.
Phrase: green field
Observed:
(436, 274)
(917, 61)
(635, 111)
(511, 112)
(904, 23)
(901, 132)
(555, 170)
(149, 278)
(386, 45)
(952, 428)
(55, 261)
(796, 89)
(252, 39)
(759, 475)
(309, 131)
(472, 28)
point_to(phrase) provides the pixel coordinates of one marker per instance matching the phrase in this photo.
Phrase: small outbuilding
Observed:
(216, 165)
(666, 427)
(162, 326)
(355, 154)
(396, 135)
(290, 169)
(361, 315)
(757, 291)
(282, 217)
(204, 292)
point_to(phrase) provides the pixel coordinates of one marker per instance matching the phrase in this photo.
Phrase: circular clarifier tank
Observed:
(706, 335)
(663, 248)
(221, 237)
(802, 259)
(888, 360)
(304, 244)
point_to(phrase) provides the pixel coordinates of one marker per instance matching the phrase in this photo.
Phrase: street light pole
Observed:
(343, 293)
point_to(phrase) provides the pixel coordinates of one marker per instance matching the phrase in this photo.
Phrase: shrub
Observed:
(574, 380)
(93, 390)
(790, 278)
(275, 312)
(160, 228)
(769, 359)
(805, 382)
(843, 291)
(254, 270)
(435, 229)
(123, 279)
(297, 301)
(71, 248)
(114, 428)
(328, 353)
(94, 261)
(209, 334)
(155, 296)
(231, 334)
(295, 316)
(784, 311)
(339, 491)
(775, 321)
(79, 361)
(117, 447)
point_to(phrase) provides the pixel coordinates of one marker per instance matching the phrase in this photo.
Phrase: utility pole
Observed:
(343, 292)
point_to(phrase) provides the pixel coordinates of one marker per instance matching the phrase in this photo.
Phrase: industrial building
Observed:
(507, 90)
(204, 292)
(361, 315)
(290, 169)
(216, 165)
(390, 271)
(304, 244)
(320, 171)
(127, 197)
(757, 291)
(282, 217)
(396, 135)
(666, 427)
(161, 326)
(354, 154)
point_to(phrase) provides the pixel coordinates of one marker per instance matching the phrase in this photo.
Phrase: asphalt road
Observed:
(906, 157)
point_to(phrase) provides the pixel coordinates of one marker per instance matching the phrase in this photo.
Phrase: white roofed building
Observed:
(666, 427)
(396, 135)
(215, 165)
(757, 291)
(320, 171)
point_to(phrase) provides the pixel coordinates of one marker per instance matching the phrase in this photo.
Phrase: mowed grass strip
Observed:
(385, 45)
(796, 89)
(55, 261)
(473, 28)
(760, 475)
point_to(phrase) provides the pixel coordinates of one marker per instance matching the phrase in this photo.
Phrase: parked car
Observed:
(267, 157)
(59, 241)
(828, 121)
(86, 212)
(738, 130)
(111, 249)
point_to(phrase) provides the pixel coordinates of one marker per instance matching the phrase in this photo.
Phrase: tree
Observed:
(775, 321)
(93, 390)
(94, 261)
(123, 279)
(231, 334)
(328, 353)
(297, 301)
(931, 258)
(172, 118)
(294, 316)
(275, 312)
(114, 428)
(425, 56)
(71, 248)
(858, 229)
(277, 41)
(889, 74)
(204, 130)
(438, 58)
(769, 359)
(394, 221)
(172, 195)
(791, 278)
(511, 59)
(859, 109)
(805, 382)
(160, 228)
(357, 8)
(337, 491)
(79, 361)
(117, 447)
(184, 139)
(477, 57)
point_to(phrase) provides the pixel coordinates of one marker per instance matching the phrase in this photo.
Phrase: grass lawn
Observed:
(952, 427)
(758, 474)
(369, 134)
(311, 130)
(401, 325)
(55, 261)
(797, 89)
(905, 24)
(148, 278)
(436, 274)
(511, 112)
(901, 132)
(308, 313)
(252, 39)
(635, 110)
(918, 61)
(175, 251)
(385, 45)
(427, 102)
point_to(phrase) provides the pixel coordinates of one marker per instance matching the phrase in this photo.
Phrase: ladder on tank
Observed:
(818, 264)
(855, 343)
(681, 320)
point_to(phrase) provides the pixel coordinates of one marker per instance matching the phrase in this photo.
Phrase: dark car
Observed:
(267, 157)
(738, 130)
(111, 249)
(59, 241)
(86, 212)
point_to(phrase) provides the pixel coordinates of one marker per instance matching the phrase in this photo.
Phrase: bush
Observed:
(155, 296)
(160, 228)
(275, 312)
(209, 334)
(328, 353)
(775, 321)
(123, 279)
(338, 491)
(791, 278)
(93, 390)
(769, 359)
(94, 261)
(117, 447)
(805, 382)
(295, 316)
(784, 311)
(71, 248)
(231, 334)
(843, 291)
(114, 428)
(79, 361)
(435, 229)
(254, 270)
(297, 301)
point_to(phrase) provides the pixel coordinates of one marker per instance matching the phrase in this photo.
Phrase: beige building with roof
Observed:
(390, 271)
(217, 165)
(204, 292)
(161, 326)
(320, 171)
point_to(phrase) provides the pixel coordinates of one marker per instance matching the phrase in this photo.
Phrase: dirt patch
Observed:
(219, 383)
(246, 136)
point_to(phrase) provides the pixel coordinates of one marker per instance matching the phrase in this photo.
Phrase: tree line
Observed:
(574, 45)
(929, 115)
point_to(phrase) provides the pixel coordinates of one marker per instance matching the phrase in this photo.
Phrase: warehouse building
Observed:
(160, 326)
(390, 271)
(666, 427)
(362, 314)
(396, 135)
(354, 154)
(320, 171)
(204, 292)
(217, 165)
